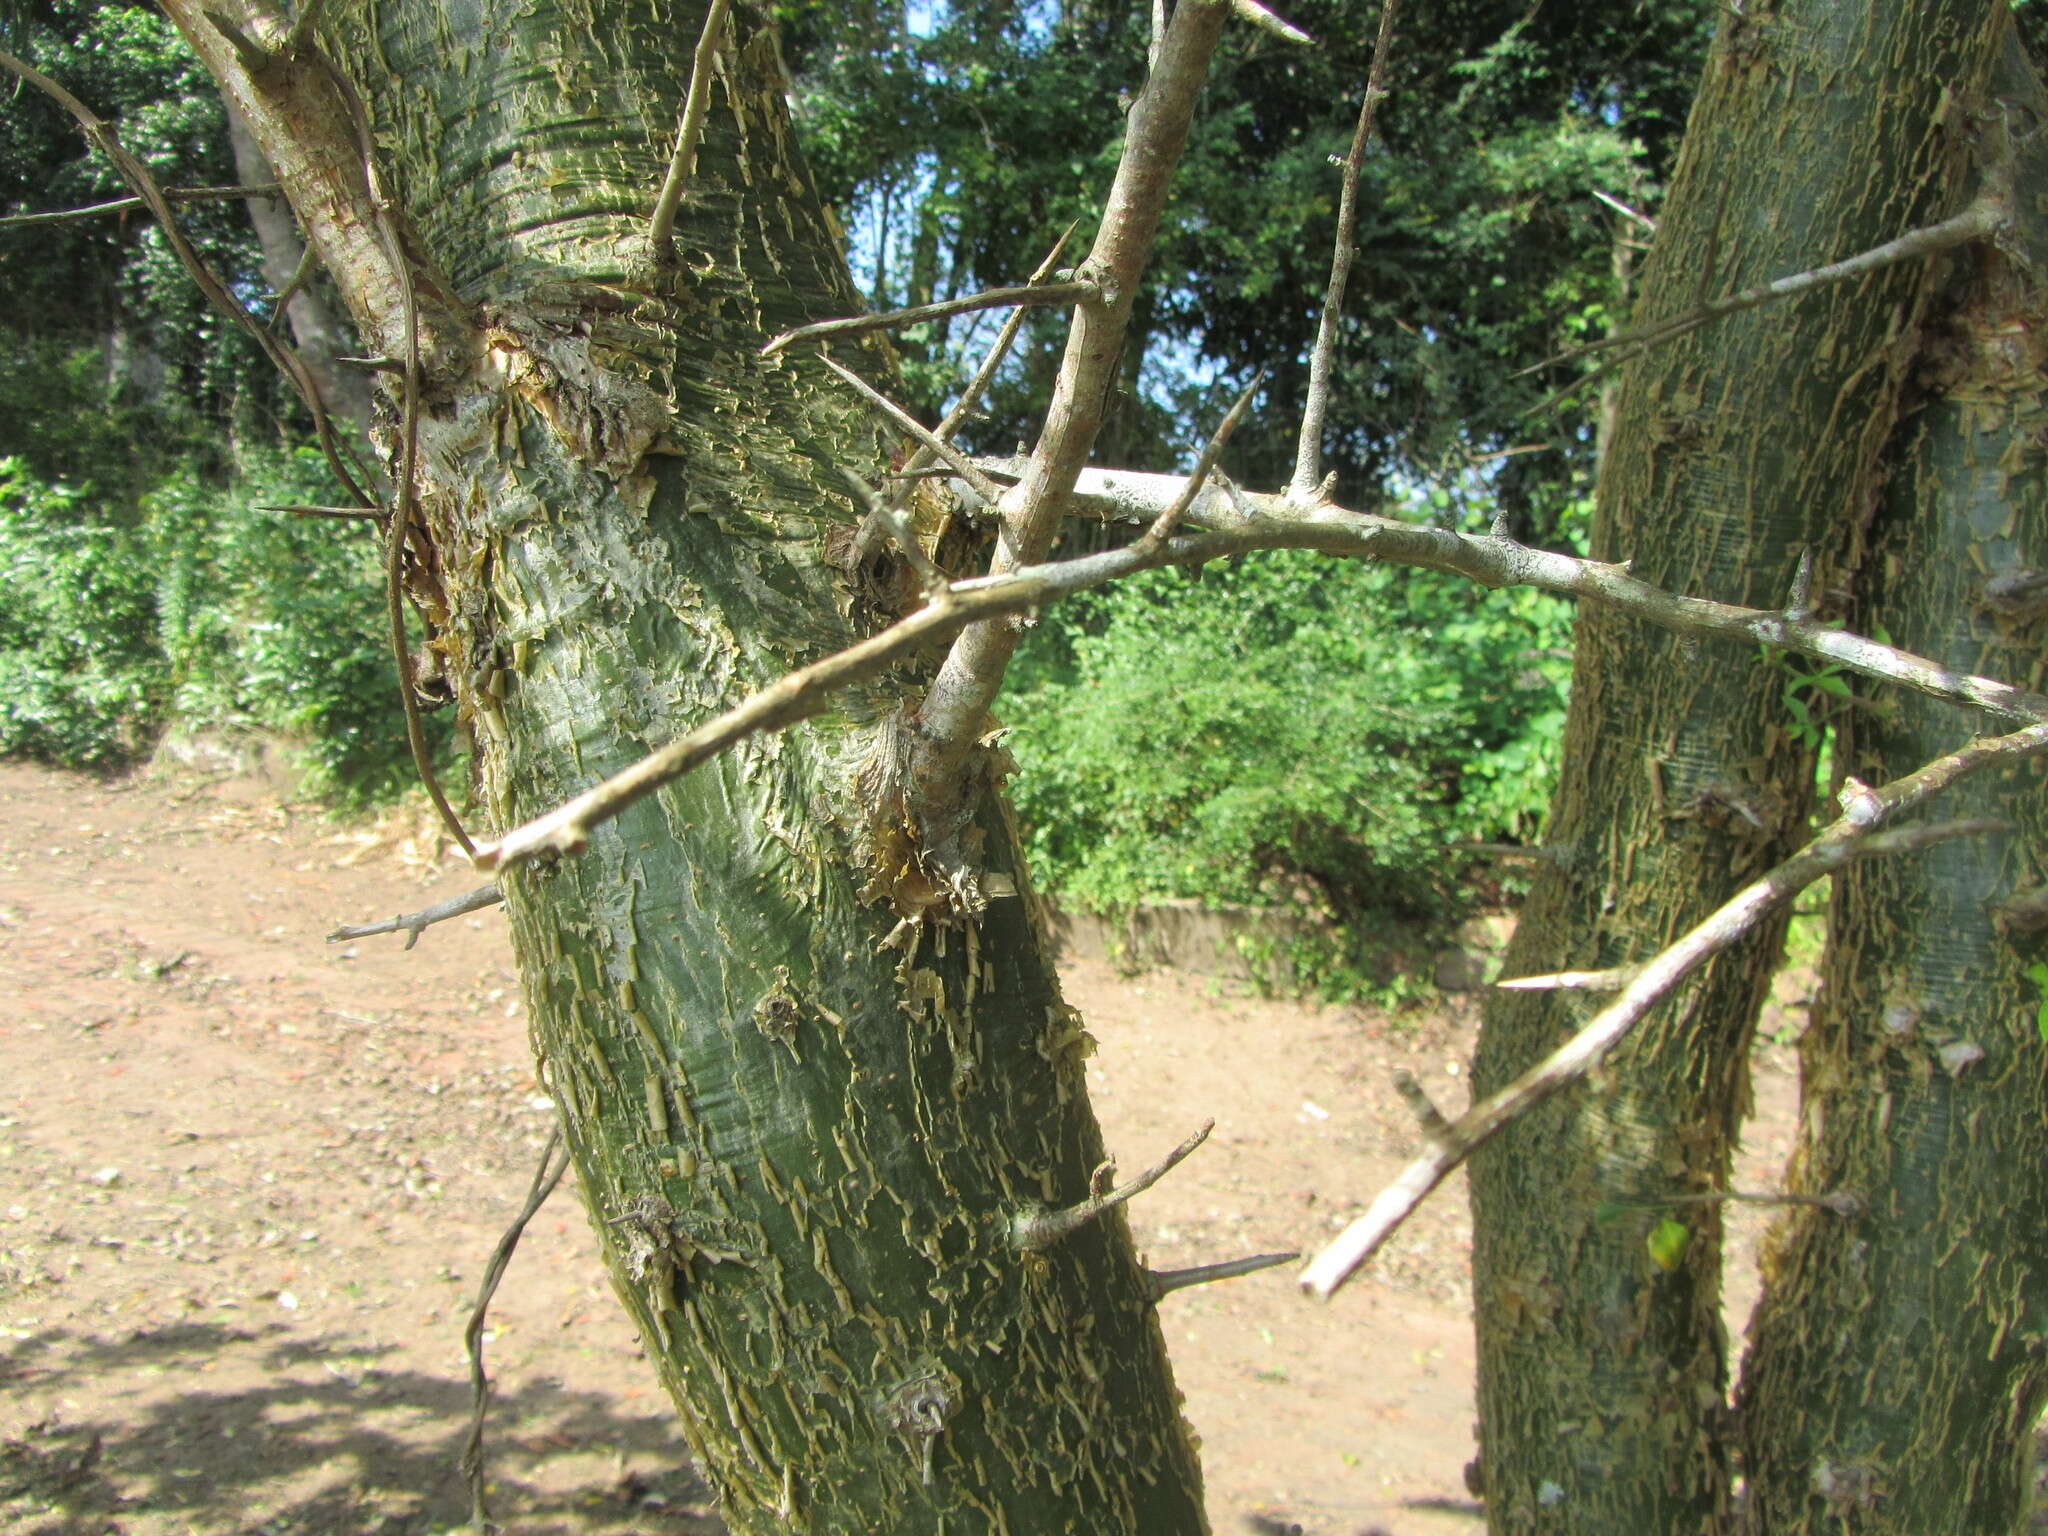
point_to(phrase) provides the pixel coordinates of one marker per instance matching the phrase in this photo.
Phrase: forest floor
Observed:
(249, 1180)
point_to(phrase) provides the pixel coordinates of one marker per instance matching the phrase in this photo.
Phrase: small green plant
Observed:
(2037, 973)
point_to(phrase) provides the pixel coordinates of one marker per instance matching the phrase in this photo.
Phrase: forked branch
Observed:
(1854, 835)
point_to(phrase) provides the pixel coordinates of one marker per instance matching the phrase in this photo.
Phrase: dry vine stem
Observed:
(1854, 835)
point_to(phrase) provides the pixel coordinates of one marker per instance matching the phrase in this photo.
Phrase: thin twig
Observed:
(902, 535)
(554, 1162)
(404, 505)
(297, 509)
(863, 544)
(1163, 1282)
(309, 257)
(127, 204)
(661, 227)
(1038, 1230)
(1167, 522)
(413, 924)
(1026, 295)
(1625, 211)
(1853, 836)
(957, 461)
(1985, 217)
(1308, 449)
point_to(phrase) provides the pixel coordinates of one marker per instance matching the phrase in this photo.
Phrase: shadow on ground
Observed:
(321, 1440)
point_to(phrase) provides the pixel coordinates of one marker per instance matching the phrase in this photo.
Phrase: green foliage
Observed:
(80, 675)
(1290, 731)
(203, 609)
(2037, 973)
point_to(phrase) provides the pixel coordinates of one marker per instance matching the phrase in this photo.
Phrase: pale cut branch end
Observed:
(1163, 1282)
(1038, 1230)
(1270, 22)
(1611, 980)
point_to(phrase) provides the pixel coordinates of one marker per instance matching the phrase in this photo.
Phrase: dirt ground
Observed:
(248, 1182)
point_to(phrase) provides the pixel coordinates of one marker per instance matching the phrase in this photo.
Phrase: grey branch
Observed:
(1987, 215)
(1163, 1282)
(126, 204)
(661, 226)
(930, 441)
(1308, 448)
(950, 720)
(1041, 1229)
(1236, 524)
(1025, 294)
(1853, 836)
(413, 924)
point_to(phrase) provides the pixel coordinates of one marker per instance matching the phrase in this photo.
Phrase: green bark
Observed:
(1897, 1361)
(804, 1146)
(1821, 129)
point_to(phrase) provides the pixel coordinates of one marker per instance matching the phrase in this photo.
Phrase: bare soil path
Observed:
(248, 1182)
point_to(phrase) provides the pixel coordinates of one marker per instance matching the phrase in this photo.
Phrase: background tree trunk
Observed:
(1821, 129)
(1896, 1368)
(321, 335)
(804, 1131)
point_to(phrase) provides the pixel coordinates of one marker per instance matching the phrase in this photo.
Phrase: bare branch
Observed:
(970, 396)
(1625, 211)
(994, 298)
(554, 1162)
(950, 719)
(1989, 213)
(1237, 525)
(128, 204)
(1254, 520)
(413, 924)
(902, 535)
(1850, 837)
(1163, 1282)
(960, 464)
(1308, 450)
(1041, 1229)
(661, 226)
(1164, 525)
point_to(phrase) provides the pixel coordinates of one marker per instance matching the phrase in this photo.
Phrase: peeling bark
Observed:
(1899, 1361)
(807, 1131)
(1821, 129)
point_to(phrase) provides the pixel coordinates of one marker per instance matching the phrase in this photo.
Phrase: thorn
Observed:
(1037, 1230)
(1160, 1282)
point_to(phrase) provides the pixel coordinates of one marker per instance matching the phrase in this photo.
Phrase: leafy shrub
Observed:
(80, 673)
(209, 611)
(1290, 729)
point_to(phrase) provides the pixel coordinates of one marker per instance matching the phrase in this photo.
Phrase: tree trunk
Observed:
(805, 1129)
(320, 335)
(1821, 129)
(1896, 1368)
